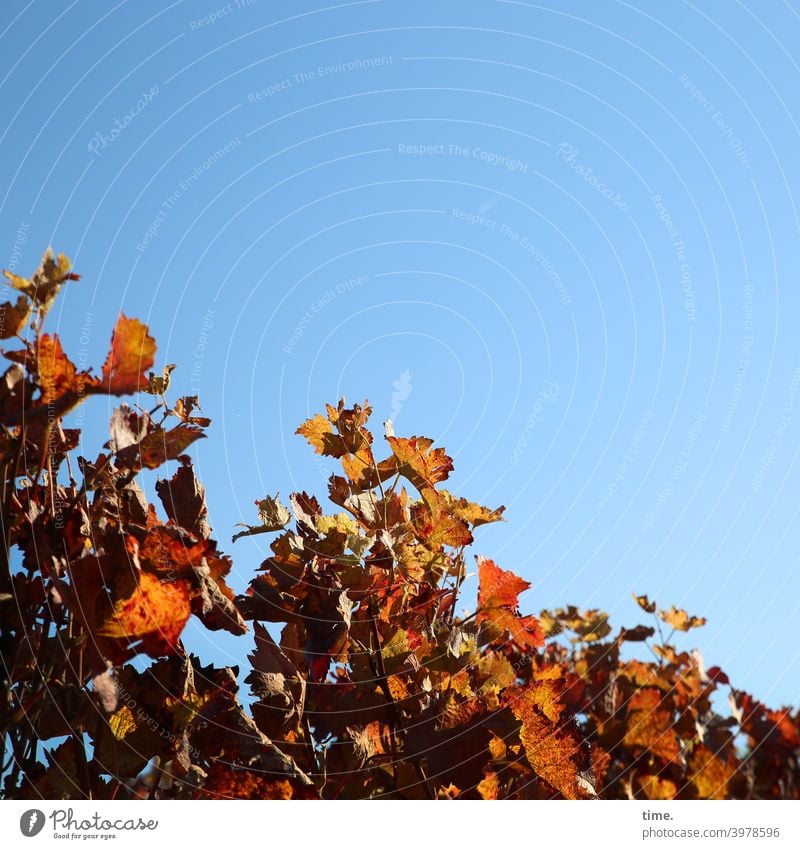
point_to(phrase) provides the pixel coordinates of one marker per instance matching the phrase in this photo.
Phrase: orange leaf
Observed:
(233, 782)
(497, 748)
(651, 727)
(489, 788)
(371, 740)
(56, 372)
(154, 614)
(554, 748)
(58, 375)
(351, 437)
(360, 468)
(522, 630)
(449, 792)
(498, 588)
(132, 354)
(168, 550)
(319, 433)
(497, 602)
(655, 787)
(646, 675)
(785, 729)
(709, 774)
(417, 462)
(436, 526)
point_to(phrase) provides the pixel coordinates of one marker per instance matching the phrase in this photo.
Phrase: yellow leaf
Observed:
(470, 512)
(318, 431)
(709, 774)
(122, 723)
(680, 619)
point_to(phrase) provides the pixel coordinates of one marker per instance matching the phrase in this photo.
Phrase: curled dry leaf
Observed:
(13, 317)
(184, 500)
(646, 605)
(273, 515)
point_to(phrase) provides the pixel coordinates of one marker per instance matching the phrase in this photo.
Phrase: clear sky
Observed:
(561, 238)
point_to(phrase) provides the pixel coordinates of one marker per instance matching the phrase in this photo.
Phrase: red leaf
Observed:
(716, 675)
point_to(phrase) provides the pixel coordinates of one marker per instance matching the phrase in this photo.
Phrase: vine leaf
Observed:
(553, 746)
(154, 615)
(13, 317)
(132, 354)
(43, 287)
(680, 619)
(273, 515)
(498, 603)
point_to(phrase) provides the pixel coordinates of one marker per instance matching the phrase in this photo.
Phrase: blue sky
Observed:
(561, 239)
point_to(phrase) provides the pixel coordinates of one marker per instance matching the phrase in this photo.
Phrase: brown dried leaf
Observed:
(184, 499)
(13, 317)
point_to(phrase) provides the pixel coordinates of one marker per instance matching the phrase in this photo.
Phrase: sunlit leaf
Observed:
(498, 603)
(44, 285)
(57, 373)
(132, 354)
(680, 619)
(153, 614)
(417, 461)
(273, 515)
(650, 725)
(473, 514)
(709, 774)
(646, 605)
(158, 384)
(553, 746)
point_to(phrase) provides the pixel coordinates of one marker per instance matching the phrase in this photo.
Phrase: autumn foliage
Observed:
(366, 677)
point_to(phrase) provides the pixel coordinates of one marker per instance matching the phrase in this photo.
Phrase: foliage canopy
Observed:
(369, 682)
